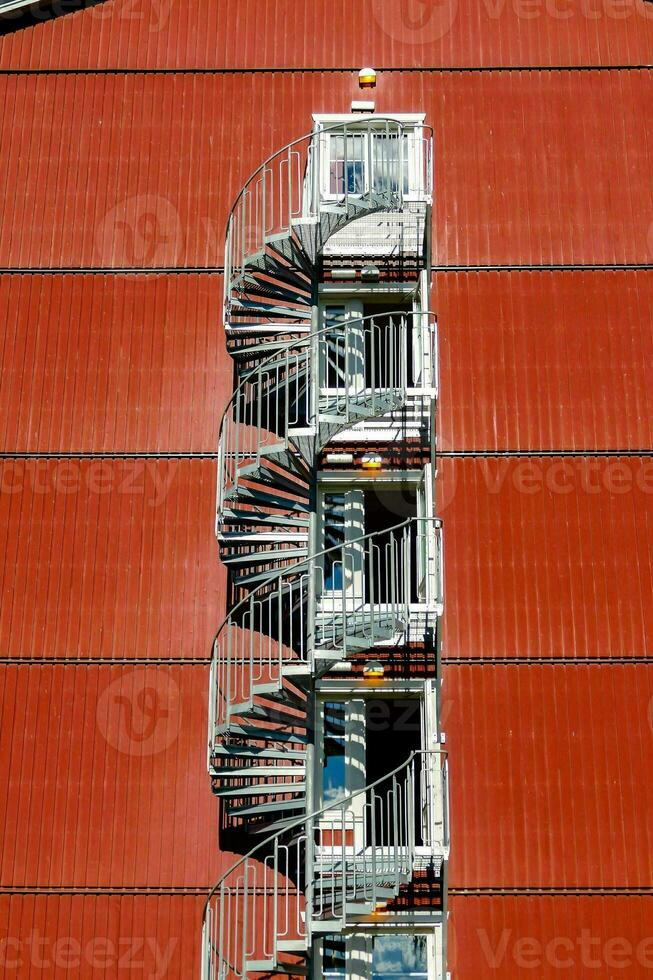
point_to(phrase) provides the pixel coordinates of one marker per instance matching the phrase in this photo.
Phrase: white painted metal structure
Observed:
(312, 600)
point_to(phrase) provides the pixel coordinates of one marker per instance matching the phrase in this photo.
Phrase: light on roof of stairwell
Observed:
(373, 669)
(367, 78)
(372, 461)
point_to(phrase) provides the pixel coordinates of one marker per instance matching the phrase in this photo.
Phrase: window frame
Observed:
(413, 121)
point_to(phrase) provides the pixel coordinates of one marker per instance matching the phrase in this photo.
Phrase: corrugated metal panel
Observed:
(107, 777)
(545, 361)
(547, 938)
(52, 937)
(112, 363)
(547, 557)
(550, 775)
(141, 170)
(109, 558)
(283, 33)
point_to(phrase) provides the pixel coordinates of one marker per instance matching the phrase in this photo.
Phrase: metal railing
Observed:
(327, 381)
(378, 157)
(302, 609)
(343, 860)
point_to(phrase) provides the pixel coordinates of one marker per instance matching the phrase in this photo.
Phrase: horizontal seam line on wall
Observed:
(531, 661)
(480, 661)
(444, 454)
(494, 890)
(61, 270)
(499, 891)
(339, 70)
(181, 270)
(102, 890)
(94, 661)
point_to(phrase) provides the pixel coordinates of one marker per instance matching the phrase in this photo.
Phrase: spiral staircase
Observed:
(293, 619)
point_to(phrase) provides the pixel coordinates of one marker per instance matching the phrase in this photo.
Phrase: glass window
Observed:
(394, 956)
(333, 753)
(346, 171)
(334, 535)
(333, 957)
(333, 354)
(399, 956)
(386, 154)
(386, 162)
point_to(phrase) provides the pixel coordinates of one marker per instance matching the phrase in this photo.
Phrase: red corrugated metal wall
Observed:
(141, 169)
(125, 131)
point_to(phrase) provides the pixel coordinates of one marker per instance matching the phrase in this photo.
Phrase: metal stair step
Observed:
(272, 690)
(364, 885)
(267, 734)
(273, 712)
(254, 752)
(260, 557)
(289, 824)
(267, 309)
(263, 473)
(270, 967)
(289, 247)
(267, 537)
(254, 772)
(260, 809)
(252, 578)
(233, 516)
(266, 329)
(261, 351)
(297, 946)
(267, 499)
(264, 789)
(277, 277)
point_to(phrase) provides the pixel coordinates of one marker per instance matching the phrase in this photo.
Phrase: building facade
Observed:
(128, 129)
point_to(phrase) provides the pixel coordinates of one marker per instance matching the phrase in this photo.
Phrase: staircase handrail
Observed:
(300, 345)
(368, 123)
(308, 339)
(306, 562)
(311, 817)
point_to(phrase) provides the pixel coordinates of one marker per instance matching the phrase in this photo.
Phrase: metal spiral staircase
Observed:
(298, 611)
(326, 874)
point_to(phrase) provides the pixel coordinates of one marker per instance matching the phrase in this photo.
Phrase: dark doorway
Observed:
(393, 730)
(385, 581)
(385, 347)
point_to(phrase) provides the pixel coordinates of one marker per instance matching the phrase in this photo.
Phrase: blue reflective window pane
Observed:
(333, 764)
(399, 956)
(334, 537)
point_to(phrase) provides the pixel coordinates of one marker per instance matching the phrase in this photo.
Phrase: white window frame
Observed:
(413, 121)
(359, 947)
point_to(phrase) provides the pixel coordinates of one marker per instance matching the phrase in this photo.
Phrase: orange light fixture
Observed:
(367, 78)
(372, 462)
